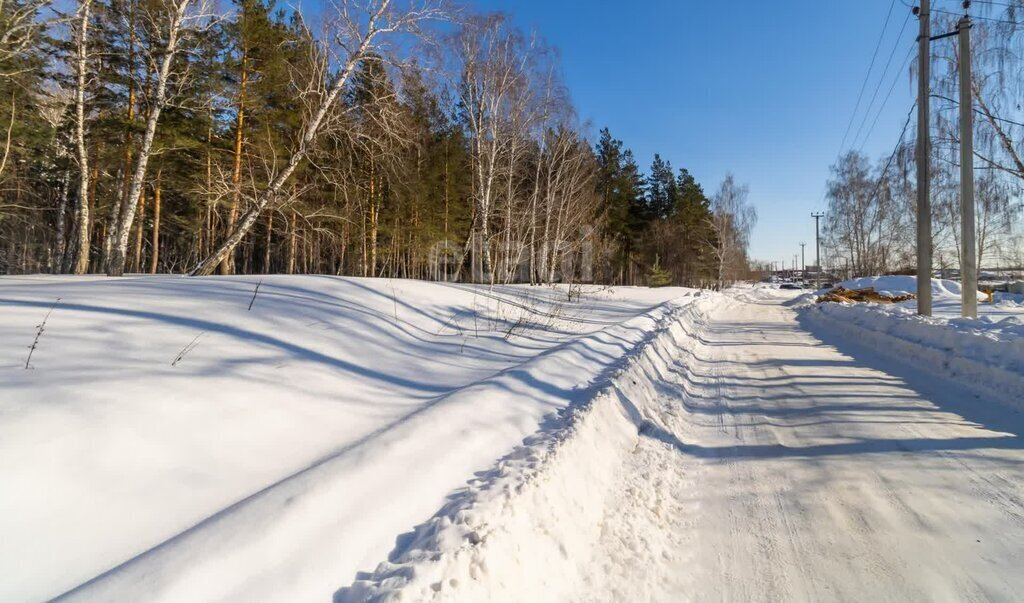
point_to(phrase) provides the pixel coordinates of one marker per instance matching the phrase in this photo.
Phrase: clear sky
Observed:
(764, 89)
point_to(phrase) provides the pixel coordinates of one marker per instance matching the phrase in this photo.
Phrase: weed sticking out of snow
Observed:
(39, 333)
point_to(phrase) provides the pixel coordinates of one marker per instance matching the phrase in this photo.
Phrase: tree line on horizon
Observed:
(391, 138)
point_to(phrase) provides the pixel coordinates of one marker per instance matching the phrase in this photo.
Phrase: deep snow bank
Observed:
(171, 444)
(986, 353)
(521, 531)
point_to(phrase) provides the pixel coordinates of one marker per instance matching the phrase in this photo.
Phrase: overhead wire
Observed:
(896, 78)
(867, 76)
(881, 80)
(863, 87)
(885, 170)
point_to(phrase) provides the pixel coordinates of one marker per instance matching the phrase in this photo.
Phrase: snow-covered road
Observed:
(785, 464)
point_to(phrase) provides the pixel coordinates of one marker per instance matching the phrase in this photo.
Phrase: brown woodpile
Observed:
(868, 294)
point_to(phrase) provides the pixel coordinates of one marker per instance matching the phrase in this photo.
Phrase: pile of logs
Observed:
(842, 295)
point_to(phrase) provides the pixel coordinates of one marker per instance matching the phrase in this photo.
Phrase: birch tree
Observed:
(733, 219)
(173, 22)
(356, 32)
(996, 86)
(81, 81)
(492, 61)
(20, 25)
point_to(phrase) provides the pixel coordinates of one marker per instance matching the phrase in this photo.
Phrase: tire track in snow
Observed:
(900, 510)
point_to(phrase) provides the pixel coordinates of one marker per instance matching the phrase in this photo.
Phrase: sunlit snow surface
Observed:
(168, 440)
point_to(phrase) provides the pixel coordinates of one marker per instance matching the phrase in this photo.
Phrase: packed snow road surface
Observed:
(781, 464)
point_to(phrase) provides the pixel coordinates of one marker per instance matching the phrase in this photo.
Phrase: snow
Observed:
(375, 440)
(517, 533)
(291, 443)
(986, 352)
(738, 455)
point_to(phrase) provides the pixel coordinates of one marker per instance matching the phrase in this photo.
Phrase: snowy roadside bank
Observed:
(520, 531)
(985, 353)
(285, 447)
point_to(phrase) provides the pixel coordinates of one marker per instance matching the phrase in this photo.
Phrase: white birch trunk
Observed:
(131, 203)
(81, 67)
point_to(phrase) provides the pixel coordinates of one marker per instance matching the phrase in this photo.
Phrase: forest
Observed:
(387, 138)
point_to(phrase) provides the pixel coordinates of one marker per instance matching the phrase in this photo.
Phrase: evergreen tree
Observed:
(662, 191)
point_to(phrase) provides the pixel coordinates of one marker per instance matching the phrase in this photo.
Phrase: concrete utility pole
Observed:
(969, 254)
(817, 247)
(803, 261)
(924, 206)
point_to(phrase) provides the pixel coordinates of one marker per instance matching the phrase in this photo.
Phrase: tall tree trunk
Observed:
(140, 227)
(154, 256)
(7, 139)
(62, 225)
(291, 243)
(205, 232)
(374, 211)
(227, 266)
(81, 67)
(130, 117)
(362, 239)
(175, 20)
(266, 248)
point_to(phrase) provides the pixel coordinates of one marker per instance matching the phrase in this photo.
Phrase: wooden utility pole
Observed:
(924, 206)
(968, 256)
(817, 247)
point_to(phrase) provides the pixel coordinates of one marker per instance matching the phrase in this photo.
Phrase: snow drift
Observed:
(170, 444)
(521, 531)
(986, 353)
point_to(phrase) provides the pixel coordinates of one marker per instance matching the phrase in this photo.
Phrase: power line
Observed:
(867, 76)
(993, 3)
(881, 80)
(910, 53)
(881, 177)
(988, 18)
(989, 2)
(895, 149)
(863, 86)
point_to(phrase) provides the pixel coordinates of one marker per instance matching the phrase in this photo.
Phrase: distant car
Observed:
(789, 286)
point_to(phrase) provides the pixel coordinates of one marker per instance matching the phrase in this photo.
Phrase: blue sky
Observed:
(764, 89)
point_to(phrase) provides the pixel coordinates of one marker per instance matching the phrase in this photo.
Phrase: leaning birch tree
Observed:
(358, 31)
